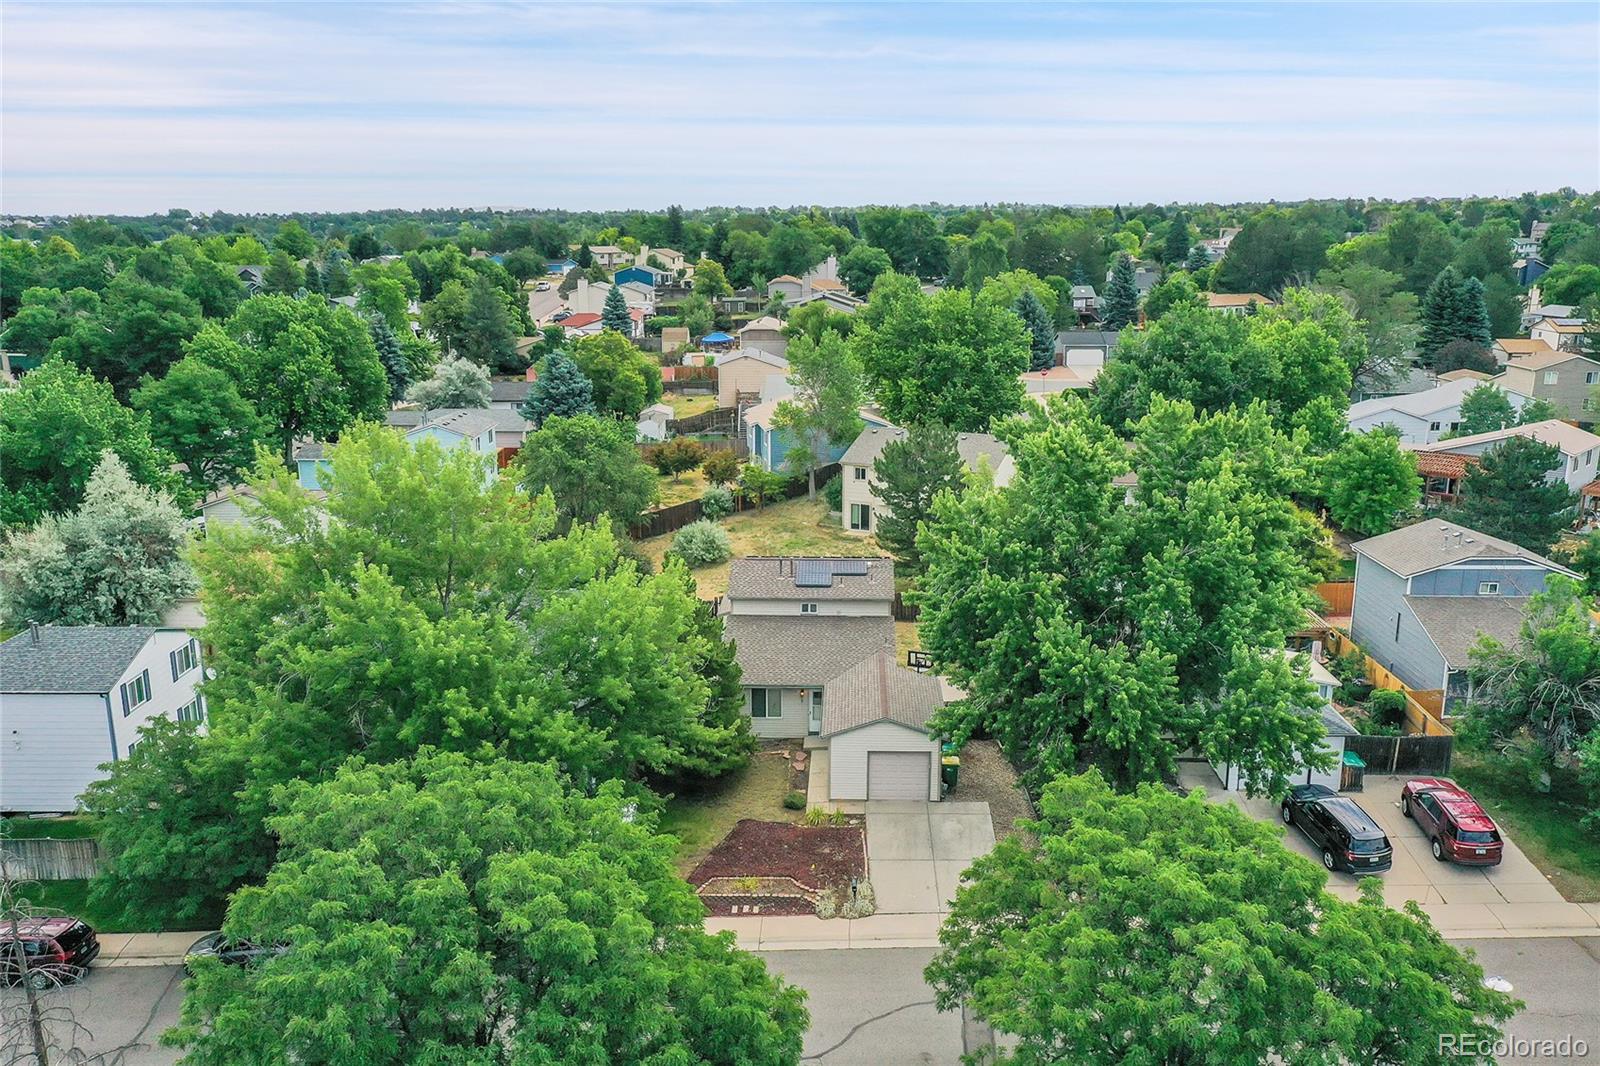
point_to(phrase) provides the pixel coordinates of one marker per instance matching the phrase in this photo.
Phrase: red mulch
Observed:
(817, 857)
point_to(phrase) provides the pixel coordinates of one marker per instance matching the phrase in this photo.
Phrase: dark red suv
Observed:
(1457, 828)
(54, 951)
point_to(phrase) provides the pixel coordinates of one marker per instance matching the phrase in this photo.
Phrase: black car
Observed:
(229, 952)
(1346, 835)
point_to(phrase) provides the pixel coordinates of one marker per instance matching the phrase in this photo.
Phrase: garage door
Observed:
(897, 775)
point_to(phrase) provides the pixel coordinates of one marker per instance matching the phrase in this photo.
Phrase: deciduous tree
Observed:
(456, 382)
(591, 466)
(1371, 483)
(1483, 409)
(197, 414)
(625, 379)
(824, 411)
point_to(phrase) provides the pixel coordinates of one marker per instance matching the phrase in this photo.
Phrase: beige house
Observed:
(1566, 379)
(1559, 333)
(765, 333)
(1236, 303)
(609, 255)
(861, 507)
(744, 372)
(674, 339)
(1506, 349)
(669, 259)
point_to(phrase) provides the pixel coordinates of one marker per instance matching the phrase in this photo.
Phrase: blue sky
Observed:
(286, 107)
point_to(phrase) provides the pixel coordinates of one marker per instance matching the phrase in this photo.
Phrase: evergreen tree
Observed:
(1197, 261)
(313, 281)
(1041, 328)
(614, 315)
(585, 257)
(282, 276)
(560, 391)
(909, 473)
(1121, 306)
(1508, 495)
(395, 365)
(1176, 246)
(1475, 324)
(486, 335)
(336, 274)
(1453, 309)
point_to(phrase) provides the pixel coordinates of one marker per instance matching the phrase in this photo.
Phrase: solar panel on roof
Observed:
(813, 574)
(850, 567)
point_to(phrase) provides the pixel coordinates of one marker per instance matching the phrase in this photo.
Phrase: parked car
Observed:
(543, 286)
(229, 952)
(1346, 835)
(55, 951)
(561, 316)
(1458, 830)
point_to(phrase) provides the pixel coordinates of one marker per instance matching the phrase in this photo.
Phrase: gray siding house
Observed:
(1425, 593)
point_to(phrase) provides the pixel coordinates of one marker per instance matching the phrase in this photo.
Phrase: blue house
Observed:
(1424, 594)
(642, 274)
(1529, 270)
(770, 445)
(450, 427)
(559, 267)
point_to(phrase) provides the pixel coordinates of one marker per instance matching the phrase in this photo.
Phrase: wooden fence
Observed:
(1424, 707)
(1403, 755)
(903, 611)
(716, 420)
(47, 859)
(1337, 596)
(668, 519)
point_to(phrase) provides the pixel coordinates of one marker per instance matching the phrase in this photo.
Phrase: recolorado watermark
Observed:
(1479, 1046)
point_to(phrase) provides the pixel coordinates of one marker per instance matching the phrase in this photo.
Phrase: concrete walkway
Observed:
(145, 949)
(798, 933)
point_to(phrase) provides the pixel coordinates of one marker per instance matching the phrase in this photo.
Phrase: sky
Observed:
(131, 109)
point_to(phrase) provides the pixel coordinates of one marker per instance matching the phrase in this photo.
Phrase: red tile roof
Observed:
(1444, 464)
(578, 321)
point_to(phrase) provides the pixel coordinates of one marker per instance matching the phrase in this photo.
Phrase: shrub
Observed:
(833, 493)
(836, 902)
(702, 543)
(676, 456)
(717, 502)
(721, 467)
(795, 801)
(817, 816)
(1387, 706)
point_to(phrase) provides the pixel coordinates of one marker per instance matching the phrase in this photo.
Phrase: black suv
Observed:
(1346, 834)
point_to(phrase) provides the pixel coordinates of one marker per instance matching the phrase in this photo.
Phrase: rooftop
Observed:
(1515, 346)
(1432, 543)
(1538, 359)
(1564, 435)
(761, 577)
(1216, 300)
(1419, 404)
(86, 659)
(579, 320)
(866, 448)
(1454, 623)
(803, 651)
(878, 690)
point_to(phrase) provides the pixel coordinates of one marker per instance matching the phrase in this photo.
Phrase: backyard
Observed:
(793, 527)
(680, 488)
(700, 819)
(684, 405)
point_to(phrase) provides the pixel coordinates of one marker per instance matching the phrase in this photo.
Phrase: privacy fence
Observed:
(717, 420)
(668, 519)
(1403, 755)
(45, 859)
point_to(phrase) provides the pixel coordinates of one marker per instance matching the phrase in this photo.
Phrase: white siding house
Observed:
(75, 697)
(875, 719)
(1422, 417)
(861, 507)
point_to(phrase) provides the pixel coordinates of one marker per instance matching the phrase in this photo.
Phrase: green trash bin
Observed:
(1352, 773)
(949, 765)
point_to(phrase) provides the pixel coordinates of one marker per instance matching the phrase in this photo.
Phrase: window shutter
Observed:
(172, 660)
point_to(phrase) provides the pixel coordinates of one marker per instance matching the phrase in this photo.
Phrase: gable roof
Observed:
(825, 285)
(1464, 374)
(767, 577)
(1454, 623)
(760, 355)
(878, 690)
(85, 659)
(866, 448)
(1515, 346)
(1216, 300)
(764, 322)
(784, 277)
(1538, 360)
(1432, 543)
(579, 320)
(514, 390)
(1420, 404)
(1561, 325)
(1564, 435)
(1444, 464)
(802, 651)
(1087, 338)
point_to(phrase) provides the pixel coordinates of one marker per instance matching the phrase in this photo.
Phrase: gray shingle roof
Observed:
(514, 391)
(468, 420)
(1454, 623)
(866, 448)
(789, 651)
(763, 577)
(1336, 724)
(1433, 542)
(70, 658)
(877, 690)
(1087, 338)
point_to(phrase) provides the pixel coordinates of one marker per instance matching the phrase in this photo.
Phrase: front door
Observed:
(815, 725)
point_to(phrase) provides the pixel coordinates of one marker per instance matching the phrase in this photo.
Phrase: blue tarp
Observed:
(715, 338)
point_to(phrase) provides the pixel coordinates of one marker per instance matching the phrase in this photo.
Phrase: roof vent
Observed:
(33, 631)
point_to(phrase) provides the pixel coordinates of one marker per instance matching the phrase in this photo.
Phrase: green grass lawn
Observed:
(1544, 825)
(684, 405)
(700, 819)
(72, 897)
(72, 828)
(689, 485)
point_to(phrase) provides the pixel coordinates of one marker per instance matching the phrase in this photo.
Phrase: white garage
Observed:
(1335, 729)
(875, 720)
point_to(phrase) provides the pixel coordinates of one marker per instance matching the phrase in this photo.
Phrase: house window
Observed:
(132, 747)
(1551, 377)
(1433, 427)
(192, 711)
(1397, 628)
(184, 659)
(1488, 588)
(766, 703)
(135, 692)
(860, 473)
(860, 516)
(1592, 377)
(808, 608)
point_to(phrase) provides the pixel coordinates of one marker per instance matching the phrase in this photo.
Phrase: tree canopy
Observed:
(625, 379)
(560, 390)
(824, 410)
(1508, 494)
(456, 382)
(909, 474)
(1371, 483)
(590, 466)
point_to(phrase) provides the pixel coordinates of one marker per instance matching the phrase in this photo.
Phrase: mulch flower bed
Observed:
(758, 906)
(817, 857)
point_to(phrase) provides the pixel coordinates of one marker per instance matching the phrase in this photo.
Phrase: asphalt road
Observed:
(122, 1012)
(541, 305)
(1559, 980)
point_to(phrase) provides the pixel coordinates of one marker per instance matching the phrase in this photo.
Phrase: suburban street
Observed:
(541, 305)
(123, 1011)
(1558, 979)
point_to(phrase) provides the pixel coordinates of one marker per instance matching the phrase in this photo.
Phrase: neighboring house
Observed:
(1086, 302)
(77, 696)
(1236, 303)
(789, 286)
(484, 430)
(1563, 334)
(1424, 594)
(836, 299)
(1524, 247)
(1217, 247)
(1056, 379)
(1506, 349)
(769, 445)
(224, 507)
(590, 296)
(744, 372)
(1538, 309)
(1463, 374)
(765, 333)
(1567, 379)
(672, 262)
(741, 301)
(252, 276)
(583, 324)
(508, 393)
(1145, 278)
(875, 719)
(1537, 230)
(1529, 270)
(654, 423)
(1421, 417)
(1335, 729)
(559, 267)
(1580, 449)
(861, 506)
(609, 256)
(1376, 386)
(1085, 349)
(644, 275)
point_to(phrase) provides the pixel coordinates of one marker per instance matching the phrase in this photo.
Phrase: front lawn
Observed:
(1544, 825)
(72, 898)
(702, 818)
(71, 828)
(793, 527)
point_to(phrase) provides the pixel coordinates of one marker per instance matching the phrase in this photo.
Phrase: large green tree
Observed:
(950, 357)
(450, 910)
(1041, 329)
(487, 337)
(591, 466)
(1453, 309)
(1161, 929)
(1371, 483)
(1089, 629)
(614, 314)
(1509, 494)
(824, 410)
(197, 414)
(115, 561)
(456, 382)
(561, 390)
(1484, 409)
(54, 427)
(625, 379)
(861, 265)
(1120, 307)
(908, 474)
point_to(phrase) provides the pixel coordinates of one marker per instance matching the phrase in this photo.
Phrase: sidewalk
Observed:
(797, 933)
(144, 949)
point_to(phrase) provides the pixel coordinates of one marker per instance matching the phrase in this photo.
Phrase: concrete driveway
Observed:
(916, 852)
(1512, 899)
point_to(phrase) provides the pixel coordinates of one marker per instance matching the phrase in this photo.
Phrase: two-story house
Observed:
(1565, 378)
(75, 697)
(862, 509)
(1425, 593)
(814, 639)
(765, 333)
(610, 256)
(1563, 334)
(1579, 449)
(1423, 417)
(480, 429)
